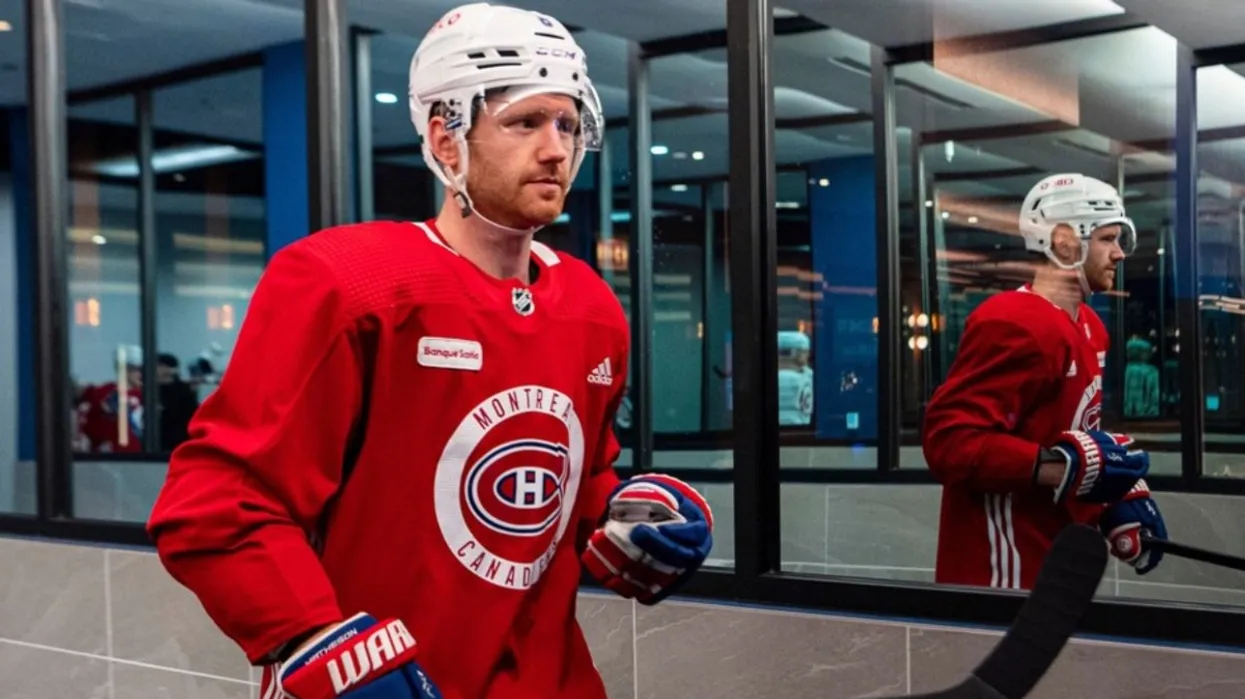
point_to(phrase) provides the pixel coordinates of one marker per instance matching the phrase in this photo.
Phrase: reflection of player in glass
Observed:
(1014, 434)
(412, 441)
(110, 415)
(795, 379)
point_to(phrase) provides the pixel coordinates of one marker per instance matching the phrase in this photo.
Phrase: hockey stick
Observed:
(1065, 587)
(1194, 553)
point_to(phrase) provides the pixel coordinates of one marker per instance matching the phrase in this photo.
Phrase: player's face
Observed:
(1103, 257)
(520, 160)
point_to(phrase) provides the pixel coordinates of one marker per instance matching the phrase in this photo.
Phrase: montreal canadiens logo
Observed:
(506, 484)
(523, 499)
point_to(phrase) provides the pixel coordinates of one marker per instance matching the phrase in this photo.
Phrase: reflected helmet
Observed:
(480, 49)
(1083, 203)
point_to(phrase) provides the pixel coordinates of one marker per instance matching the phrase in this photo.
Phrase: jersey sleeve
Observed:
(602, 479)
(969, 426)
(244, 495)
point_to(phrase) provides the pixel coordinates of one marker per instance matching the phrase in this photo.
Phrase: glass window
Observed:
(17, 295)
(691, 316)
(210, 234)
(827, 281)
(402, 186)
(973, 142)
(104, 298)
(1221, 260)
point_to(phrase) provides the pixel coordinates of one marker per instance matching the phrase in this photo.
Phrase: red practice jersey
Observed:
(399, 433)
(1025, 371)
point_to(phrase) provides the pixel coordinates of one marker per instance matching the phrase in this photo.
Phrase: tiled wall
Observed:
(85, 622)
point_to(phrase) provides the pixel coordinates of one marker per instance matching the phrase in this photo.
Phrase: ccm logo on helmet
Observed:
(556, 53)
(372, 652)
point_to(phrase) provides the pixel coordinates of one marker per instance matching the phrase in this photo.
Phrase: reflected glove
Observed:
(657, 532)
(356, 659)
(1123, 522)
(1101, 467)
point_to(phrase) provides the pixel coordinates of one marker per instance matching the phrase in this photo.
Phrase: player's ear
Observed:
(442, 143)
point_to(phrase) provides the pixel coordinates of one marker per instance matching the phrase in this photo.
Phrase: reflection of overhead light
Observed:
(98, 239)
(786, 205)
(5, 26)
(824, 182)
(678, 188)
(564, 218)
(697, 155)
(659, 150)
(946, 215)
(386, 98)
(177, 158)
(679, 155)
(972, 219)
(929, 204)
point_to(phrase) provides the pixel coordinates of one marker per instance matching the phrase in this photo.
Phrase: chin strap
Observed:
(468, 209)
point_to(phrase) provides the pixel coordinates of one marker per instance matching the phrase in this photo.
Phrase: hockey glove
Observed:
(1123, 522)
(657, 532)
(357, 659)
(1101, 467)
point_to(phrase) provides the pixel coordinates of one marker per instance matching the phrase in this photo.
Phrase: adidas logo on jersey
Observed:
(602, 375)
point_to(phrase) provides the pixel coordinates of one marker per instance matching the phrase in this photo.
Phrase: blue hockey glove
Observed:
(657, 532)
(357, 659)
(1102, 467)
(1123, 522)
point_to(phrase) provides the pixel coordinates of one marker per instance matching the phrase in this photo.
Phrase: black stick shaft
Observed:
(1196, 554)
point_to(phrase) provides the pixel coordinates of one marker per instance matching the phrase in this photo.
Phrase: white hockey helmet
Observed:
(1083, 203)
(478, 49)
(792, 341)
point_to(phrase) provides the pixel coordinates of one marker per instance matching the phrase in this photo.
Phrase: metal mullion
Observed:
(752, 237)
(886, 196)
(45, 75)
(1188, 316)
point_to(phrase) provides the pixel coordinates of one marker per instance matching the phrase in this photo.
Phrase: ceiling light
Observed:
(98, 239)
(972, 219)
(697, 155)
(386, 98)
(185, 157)
(678, 188)
(5, 26)
(824, 182)
(679, 155)
(659, 150)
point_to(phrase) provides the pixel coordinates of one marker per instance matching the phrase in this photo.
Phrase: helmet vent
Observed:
(559, 37)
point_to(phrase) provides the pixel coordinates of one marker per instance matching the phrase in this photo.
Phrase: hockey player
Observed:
(1014, 434)
(795, 379)
(408, 462)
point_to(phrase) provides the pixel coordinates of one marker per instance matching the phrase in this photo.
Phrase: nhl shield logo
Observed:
(522, 300)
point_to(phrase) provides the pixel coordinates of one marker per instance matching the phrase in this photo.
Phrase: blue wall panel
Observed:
(842, 216)
(285, 144)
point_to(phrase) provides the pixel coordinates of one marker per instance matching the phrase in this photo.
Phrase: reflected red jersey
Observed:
(99, 420)
(400, 434)
(1024, 372)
